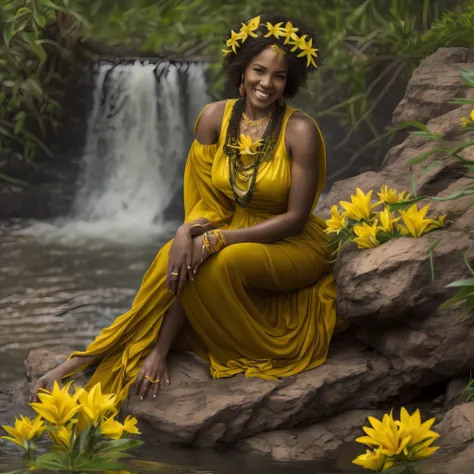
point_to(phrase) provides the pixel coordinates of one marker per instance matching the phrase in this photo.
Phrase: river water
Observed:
(58, 296)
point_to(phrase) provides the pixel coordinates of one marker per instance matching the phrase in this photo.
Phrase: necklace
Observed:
(254, 125)
(243, 176)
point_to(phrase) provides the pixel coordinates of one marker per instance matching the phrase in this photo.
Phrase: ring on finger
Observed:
(151, 380)
(174, 273)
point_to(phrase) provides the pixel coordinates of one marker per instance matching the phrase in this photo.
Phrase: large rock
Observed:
(457, 427)
(195, 409)
(315, 441)
(433, 84)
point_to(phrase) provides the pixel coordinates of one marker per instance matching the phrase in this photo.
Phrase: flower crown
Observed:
(278, 31)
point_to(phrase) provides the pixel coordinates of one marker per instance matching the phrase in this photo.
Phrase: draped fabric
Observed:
(267, 310)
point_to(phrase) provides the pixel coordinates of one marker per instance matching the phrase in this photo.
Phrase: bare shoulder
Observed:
(209, 124)
(302, 136)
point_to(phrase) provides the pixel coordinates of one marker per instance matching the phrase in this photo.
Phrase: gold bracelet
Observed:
(220, 241)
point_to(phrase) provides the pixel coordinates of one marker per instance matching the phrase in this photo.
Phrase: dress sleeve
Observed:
(201, 197)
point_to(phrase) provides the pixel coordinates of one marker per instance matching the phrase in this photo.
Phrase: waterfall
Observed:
(138, 136)
(139, 133)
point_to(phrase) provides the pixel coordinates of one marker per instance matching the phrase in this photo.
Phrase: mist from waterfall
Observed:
(139, 133)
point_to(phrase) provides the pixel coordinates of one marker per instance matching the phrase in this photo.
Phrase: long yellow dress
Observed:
(267, 310)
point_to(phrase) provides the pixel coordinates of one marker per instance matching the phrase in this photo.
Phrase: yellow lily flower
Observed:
(248, 29)
(290, 32)
(336, 223)
(309, 52)
(63, 436)
(246, 146)
(373, 460)
(390, 195)
(415, 221)
(274, 30)
(129, 425)
(95, 404)
(58, 406)
(111, 428)
(359, 207)
(233, 41)
(436, 223)
(465, 121)
(421, 435)
(25, 430)
(385, 435)
(388, 221)
(366, 235)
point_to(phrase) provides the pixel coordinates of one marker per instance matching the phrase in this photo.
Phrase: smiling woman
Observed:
(246, 283)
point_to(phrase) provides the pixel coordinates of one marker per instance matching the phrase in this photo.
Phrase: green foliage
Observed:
(368, 46)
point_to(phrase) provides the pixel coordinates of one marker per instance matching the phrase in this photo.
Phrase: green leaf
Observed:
(19, 125)
(412, 182)
(461, 101)
(118, 445)
(40, 21)
(467, 262)
(461, 283)
(404, 205)
(467, 76)
(454, 196)
(423, 156)
(430, 251)
(460, 296)
(432, 166)
(416, 124)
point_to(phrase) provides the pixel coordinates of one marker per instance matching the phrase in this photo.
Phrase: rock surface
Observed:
(457, 427)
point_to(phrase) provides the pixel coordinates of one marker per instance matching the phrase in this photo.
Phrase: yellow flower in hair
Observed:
(298, 43)
(248, 29)
(290, 32)
(233, 41)
(274, 30)
(309, 52)
(246, 146)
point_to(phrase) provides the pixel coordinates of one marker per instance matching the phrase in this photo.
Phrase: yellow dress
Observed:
(267, 310)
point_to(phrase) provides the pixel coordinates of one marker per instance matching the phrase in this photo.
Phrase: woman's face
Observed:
(265, 78)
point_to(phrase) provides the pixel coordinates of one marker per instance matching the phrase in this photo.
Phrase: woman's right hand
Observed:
(179, 261)
(46, 382)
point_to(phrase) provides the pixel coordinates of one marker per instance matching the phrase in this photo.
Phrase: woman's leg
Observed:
(154, 368)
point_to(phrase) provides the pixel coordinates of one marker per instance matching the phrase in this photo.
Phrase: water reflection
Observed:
(59, 297)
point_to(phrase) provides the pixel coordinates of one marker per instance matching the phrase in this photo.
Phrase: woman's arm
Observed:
(303, 141)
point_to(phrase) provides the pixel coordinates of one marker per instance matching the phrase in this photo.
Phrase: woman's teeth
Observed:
(261, 95)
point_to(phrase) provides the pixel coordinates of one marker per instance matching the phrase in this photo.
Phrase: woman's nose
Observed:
(266, 81)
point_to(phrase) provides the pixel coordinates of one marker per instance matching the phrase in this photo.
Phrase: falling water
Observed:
(139, 132)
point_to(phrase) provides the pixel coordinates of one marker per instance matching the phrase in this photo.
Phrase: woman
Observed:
(246, 282)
